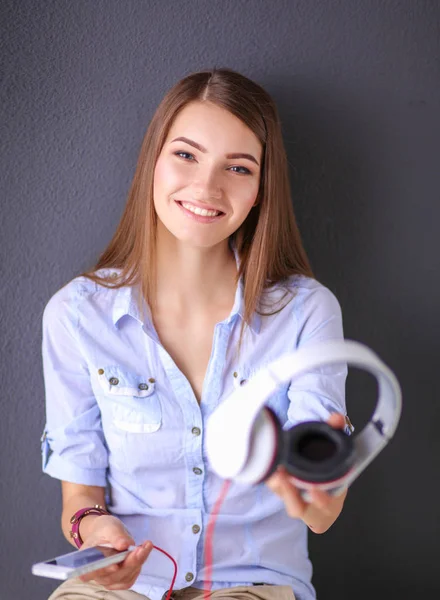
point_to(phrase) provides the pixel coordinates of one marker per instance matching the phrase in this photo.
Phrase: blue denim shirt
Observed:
(121, 414)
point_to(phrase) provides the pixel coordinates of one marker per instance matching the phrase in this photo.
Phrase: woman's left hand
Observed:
(324, 509)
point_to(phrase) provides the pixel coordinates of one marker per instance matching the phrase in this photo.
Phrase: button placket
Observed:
(239, 379)
(211, 394)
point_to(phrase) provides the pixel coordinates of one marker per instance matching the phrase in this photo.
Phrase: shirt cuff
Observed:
(58, 467)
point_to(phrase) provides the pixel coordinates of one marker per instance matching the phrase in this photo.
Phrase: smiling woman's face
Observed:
(206, 182)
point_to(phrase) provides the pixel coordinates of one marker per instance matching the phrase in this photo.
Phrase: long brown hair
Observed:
(268, 242)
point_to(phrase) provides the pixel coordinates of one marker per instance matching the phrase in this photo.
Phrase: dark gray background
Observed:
(357, 85)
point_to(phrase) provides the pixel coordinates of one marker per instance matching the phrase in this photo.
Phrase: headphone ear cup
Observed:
(317, 453)
(265, 449)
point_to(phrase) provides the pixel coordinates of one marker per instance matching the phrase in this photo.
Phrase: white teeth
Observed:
(200, 211)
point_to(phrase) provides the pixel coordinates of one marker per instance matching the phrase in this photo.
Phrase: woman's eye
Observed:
(246, 171)
(185, 153)
(190, 157)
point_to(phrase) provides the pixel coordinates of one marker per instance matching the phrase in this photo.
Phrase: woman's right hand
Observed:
(107, 529)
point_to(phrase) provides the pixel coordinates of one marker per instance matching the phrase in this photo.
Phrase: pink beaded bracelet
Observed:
(78, 516)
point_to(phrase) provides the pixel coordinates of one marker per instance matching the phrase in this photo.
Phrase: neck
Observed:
(191, 278)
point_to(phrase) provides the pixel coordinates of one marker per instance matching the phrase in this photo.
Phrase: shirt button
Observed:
(143, 386)
(189, 576)
(114, 381)
(197, 471)
(195, 529)
(101, 371)
(195, 431)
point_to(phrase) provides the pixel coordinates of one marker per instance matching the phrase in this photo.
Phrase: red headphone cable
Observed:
(209, 537)
(175, 570)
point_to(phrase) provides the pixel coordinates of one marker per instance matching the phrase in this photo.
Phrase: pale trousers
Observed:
(75, 589)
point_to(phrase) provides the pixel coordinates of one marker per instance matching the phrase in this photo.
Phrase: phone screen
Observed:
(83, 557)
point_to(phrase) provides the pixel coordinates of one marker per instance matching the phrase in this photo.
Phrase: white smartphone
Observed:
(79, 562)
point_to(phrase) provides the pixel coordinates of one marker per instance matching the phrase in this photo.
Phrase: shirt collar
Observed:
(238, 309)
(126, 303)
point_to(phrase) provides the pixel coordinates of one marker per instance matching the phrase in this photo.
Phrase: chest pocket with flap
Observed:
(133, 399)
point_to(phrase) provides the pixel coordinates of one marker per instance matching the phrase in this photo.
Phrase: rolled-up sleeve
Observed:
(73, 445)
(319, 392)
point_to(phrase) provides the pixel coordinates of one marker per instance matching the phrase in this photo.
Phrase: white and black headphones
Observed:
(245, 441)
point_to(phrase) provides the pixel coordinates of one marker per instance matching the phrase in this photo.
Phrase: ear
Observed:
(257, 199)
(259, 195)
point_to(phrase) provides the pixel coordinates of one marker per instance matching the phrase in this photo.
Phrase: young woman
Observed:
(204, 282)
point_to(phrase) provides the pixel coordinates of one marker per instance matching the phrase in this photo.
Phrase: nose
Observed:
(207, 185)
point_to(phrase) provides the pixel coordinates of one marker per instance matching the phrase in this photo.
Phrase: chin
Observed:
(190, 237)
(201, 243)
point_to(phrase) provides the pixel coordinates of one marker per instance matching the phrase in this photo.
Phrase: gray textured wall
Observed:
(357, 84)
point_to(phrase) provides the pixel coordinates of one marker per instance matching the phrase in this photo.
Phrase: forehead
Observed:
(215, 128)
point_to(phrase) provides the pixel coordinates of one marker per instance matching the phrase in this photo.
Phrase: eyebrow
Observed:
(204, 150)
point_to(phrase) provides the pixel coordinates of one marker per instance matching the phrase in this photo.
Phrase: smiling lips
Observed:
(201, 212)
